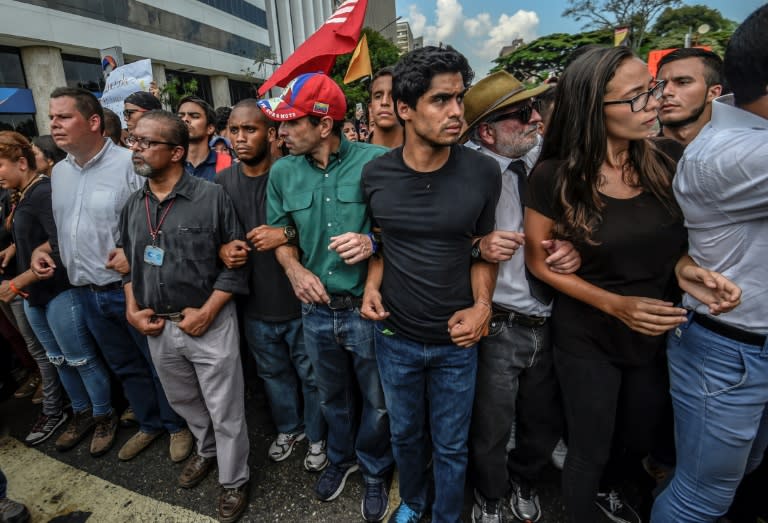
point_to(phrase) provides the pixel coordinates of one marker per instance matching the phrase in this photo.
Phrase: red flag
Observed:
(338, 35)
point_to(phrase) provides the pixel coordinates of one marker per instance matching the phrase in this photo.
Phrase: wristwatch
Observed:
(476, 255)
(290, 232)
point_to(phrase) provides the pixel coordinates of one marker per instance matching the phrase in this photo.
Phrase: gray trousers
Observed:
(53, 393)
(203, 381)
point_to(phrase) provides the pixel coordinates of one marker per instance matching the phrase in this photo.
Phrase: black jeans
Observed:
(607, 407)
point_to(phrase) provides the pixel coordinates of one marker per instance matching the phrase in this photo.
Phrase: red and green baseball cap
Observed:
(313, 94)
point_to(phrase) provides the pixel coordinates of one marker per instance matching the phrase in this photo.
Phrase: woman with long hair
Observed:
(47, 153)
(53, 312)
(603, 185)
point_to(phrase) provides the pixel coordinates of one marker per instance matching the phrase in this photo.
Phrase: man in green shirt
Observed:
(317, 191)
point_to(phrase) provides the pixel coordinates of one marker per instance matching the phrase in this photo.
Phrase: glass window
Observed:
(23, 123)
(81, 71)
(203, 85)
(241, 90)
(11, 72)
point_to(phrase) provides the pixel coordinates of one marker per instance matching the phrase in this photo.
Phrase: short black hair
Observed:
(384, 71)
(253, 103)
(746, 58)
(85, 102)
(713, 64)
(49, 148)
(210, 114)
(174, 129)
(413, 73)
(338, 125)
(222, 117)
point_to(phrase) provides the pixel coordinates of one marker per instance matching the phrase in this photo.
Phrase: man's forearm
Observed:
(483, 280)
(288, 257)
(216, 302)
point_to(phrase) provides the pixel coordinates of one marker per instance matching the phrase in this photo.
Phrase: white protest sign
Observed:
(123, 81)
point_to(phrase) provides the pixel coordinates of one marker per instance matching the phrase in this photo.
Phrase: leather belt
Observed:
(729, 331)
(114, 286)
(344, 302)
(501, 314)
(175, 317)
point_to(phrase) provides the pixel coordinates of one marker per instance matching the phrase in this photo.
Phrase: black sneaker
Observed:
(486, 510)
(615, 508)
(375, 502)
(331, 482)
(524, 502)
(44, 427)
(13, 511)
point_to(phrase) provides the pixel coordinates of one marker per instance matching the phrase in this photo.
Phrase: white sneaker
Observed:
(558, 455)
(282, 447)
(316, 458)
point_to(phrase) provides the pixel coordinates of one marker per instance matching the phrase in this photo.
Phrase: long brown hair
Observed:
(577, 138)
(13, 147)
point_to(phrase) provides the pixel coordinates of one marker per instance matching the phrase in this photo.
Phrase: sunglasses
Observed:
(523, 114)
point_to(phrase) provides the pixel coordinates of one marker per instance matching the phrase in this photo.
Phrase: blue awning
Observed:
(16, 100)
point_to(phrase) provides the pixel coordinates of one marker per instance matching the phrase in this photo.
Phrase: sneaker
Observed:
(657, 470)
(283, 445)
(29, 386)
(405, 514)
(104, 434)
(79, 426)
(558, 455)
(375, 502)
(524, 502)
(331, 482)
(181, 445)
(615, 508)
(44, 428)
(128, 418)
(13, 511)
(38, 396)
(137, 443)
(317, 457)
(486, 510)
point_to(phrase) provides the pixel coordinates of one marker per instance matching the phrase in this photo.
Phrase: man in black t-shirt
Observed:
(272, 313)
(430, 198)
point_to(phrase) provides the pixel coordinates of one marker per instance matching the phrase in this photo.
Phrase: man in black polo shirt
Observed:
(178, 295)
(430, 198)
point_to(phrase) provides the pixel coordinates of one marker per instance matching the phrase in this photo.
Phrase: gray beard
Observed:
(144, 170)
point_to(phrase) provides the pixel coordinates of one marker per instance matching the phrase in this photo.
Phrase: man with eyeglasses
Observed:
(180, 296)
(135, 105)
(516, 383)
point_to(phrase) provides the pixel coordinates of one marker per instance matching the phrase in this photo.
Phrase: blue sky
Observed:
(479, 28)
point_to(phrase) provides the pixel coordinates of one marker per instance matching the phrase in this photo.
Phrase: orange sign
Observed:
(654, 57)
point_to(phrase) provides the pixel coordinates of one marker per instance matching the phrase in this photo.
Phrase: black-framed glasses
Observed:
(523, 114)
(638, 103)
(128, 112)
(145, 143)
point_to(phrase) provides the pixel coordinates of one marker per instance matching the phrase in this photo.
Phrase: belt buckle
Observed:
(340, 302)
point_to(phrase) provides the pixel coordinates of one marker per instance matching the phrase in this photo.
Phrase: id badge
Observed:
(153, 255)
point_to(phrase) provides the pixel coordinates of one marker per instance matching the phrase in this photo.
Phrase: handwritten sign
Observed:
(125, 80)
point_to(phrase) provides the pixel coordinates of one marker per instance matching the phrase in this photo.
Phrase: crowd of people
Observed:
(495, 278)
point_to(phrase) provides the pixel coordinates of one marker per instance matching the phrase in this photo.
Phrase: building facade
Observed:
(404, 40)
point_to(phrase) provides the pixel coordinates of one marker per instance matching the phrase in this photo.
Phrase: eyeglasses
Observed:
(128, 112)
(145, 143)
(638, 103)
(523, 114)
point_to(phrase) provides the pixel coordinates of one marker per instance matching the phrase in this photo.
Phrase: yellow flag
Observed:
(620, 35)
(360, 64)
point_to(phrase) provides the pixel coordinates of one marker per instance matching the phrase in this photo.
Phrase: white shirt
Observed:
(87, 202)
(722, 187)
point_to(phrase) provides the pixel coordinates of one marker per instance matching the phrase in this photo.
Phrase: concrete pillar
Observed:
(220, 91)
(309, 17)
(286, 30)
(297, 18)
(158, 75)
(44, 70)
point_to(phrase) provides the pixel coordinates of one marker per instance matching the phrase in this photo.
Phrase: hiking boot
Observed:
(283, 445)
(13, 511)
(104, 434)
(38, 396)
(44, 428)
(232, 503)
(29, 386)
(486, 510)
(615, 508)
(128, 418)
(317, 457)
(181, 445)
(375, 500)
(80, 425)
(137, 443)
(405, 514)
(331, 482)
(195, 470)
(524, 502)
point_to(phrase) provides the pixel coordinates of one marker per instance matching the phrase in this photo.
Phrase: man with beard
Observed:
(387, 129)
(200, 118)
(694, 77)
(180, 297)
(272, 313)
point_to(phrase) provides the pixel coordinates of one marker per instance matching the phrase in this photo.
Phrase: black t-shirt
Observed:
(6, 238)
(271, 294)
(33, 225)
(427, 223)
(638, 243)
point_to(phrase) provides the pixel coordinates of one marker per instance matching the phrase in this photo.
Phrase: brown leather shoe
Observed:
(80, 425)
(136, 444)
(181, 445)
(29, 386)
(232, 503)
(104, 435)
(38, 396)
(195, 470)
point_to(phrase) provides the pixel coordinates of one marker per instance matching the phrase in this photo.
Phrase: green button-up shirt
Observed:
(322, 203)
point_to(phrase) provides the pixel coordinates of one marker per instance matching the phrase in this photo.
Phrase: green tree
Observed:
(174, 90)
(609, 14)
(383, 53)
(691, 17)
(535, 61)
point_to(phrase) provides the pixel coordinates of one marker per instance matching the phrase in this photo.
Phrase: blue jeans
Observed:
(340, 346)
(283, 363)
(127, 354)
(720, 399)
(441, 378)
(61, 329)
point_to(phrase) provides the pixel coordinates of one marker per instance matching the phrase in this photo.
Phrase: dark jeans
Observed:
(438, 381)
(3, 485)
(607, 407)
(516, 382)
(127, 354)
(340, 345)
